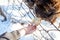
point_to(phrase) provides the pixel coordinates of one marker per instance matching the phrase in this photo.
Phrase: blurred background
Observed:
(17, 12)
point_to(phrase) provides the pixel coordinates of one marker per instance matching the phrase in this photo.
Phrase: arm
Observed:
(14, 35)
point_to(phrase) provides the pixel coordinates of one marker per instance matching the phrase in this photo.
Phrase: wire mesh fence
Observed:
(20, 13)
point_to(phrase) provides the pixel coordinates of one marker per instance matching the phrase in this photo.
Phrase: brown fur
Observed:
(46, 9)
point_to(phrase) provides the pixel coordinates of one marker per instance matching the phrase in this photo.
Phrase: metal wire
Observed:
(23, 15)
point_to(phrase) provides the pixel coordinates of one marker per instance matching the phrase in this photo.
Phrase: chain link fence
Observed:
(20, 13)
